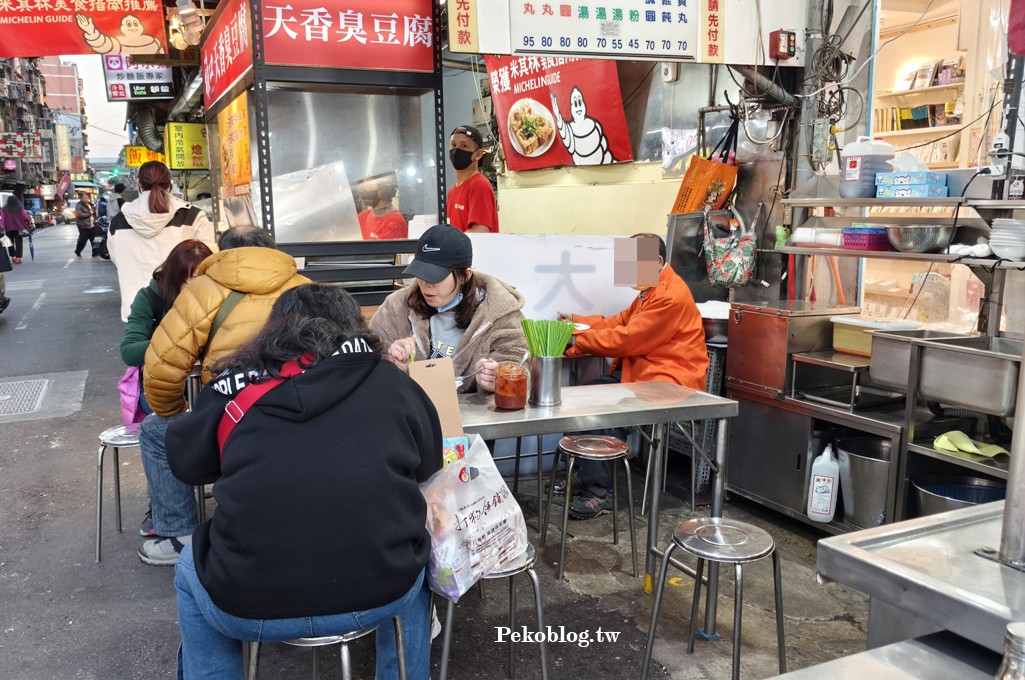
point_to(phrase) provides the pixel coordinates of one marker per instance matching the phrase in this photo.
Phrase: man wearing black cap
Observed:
(471, 200)
(452, 311)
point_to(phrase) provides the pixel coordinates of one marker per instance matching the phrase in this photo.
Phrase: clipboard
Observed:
(438, 379)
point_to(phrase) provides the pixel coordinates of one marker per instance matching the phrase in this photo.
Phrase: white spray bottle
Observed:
(825, 486)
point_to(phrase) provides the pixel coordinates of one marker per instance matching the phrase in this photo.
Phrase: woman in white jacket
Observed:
(145, 231)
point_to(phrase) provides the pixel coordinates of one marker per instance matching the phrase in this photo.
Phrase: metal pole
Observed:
(1012, 533)
(718, 492)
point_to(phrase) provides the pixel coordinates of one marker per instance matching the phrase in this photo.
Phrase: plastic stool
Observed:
(115, 438)
(524, 563)
(251, 650)
(728, 541)
(591, 447)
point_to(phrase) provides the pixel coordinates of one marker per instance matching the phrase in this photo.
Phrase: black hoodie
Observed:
(318, 506)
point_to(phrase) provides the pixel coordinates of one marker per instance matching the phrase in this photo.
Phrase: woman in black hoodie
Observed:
(320, 524)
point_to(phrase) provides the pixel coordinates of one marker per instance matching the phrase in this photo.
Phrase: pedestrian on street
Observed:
(15, 220)
(85, 214)
(116, 200)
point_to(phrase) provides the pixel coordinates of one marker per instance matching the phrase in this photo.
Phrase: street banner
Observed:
(226, 54)
(135, 156)
(1016, 28)
(185, 146)
(553, 112)
(63, 136)
(20, 145)
(233, 138)
(64, 184)
(128, 80)
(367, 34)
(39, 28)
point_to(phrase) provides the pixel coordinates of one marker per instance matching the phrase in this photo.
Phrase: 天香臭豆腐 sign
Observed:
(226, 55)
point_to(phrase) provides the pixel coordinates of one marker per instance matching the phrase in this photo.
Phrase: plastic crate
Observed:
(866, 238)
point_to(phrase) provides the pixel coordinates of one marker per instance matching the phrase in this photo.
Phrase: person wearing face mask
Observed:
(658, 338)
(450, 310)
(471, 200)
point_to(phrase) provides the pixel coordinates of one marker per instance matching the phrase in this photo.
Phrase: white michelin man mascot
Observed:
(583, 136)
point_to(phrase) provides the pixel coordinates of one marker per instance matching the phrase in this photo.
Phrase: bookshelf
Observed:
(937, 131)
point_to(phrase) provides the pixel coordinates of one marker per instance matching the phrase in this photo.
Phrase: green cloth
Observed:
(958, 443)
(142, 322)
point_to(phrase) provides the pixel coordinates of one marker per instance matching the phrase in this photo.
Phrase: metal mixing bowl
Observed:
(920, 238)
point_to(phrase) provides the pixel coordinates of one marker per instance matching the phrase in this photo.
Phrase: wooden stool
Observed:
(591, 447)
(726, 541)
(114, 438)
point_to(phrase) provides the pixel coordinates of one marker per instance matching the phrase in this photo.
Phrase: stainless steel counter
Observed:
(924, 572)
(934, 657)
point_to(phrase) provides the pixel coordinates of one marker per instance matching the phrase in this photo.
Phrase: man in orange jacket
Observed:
(659, 337)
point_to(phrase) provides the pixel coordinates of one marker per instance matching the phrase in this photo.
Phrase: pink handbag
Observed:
(130, 387)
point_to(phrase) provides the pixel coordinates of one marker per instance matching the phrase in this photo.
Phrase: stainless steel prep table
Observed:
(590, 407)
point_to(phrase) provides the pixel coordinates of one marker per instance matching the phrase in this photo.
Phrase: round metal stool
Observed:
(524, 563)
(251, 651)
(726, 541)
(114, 438)
(591, 447)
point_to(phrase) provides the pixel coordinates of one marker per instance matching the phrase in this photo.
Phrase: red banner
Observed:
(64, 184)
(553, 112)
(1016, 28)
(39, 28)
(367, 34)
(227, 51)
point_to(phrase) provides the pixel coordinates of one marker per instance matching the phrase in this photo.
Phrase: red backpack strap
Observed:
(235, 409)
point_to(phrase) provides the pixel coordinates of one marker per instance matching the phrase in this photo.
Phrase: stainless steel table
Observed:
(589, 407)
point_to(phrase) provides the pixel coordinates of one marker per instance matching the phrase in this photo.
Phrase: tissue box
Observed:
(912, 191)
(910, 178)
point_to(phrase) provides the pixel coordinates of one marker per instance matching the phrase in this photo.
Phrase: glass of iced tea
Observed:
(511, 386)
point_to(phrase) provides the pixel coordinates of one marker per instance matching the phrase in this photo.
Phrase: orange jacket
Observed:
(658, 337)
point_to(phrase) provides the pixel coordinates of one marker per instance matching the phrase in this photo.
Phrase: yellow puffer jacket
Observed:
(262, 274)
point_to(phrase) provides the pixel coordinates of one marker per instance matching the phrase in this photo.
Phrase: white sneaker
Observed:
(435, 623)
(163, 551)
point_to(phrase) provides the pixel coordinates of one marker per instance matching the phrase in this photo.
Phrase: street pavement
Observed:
(64, 616)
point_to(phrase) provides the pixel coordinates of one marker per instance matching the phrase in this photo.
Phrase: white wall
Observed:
(907, 52)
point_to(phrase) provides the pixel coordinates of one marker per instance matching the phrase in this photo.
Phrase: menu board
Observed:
(617, 28)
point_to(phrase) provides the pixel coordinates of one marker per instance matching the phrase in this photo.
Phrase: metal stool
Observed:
(591, 447)
(524, 563)
(115, 438)
(251, 650)
(727, 541)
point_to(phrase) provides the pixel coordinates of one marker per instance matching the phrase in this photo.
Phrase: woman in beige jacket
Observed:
(452, 311)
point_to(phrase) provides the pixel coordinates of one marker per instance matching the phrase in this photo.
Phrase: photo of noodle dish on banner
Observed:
(554, 112)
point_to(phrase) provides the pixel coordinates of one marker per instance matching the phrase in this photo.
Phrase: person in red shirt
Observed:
(381, 220)
(471, 200)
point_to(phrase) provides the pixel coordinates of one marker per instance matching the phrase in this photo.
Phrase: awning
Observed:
(91, 185)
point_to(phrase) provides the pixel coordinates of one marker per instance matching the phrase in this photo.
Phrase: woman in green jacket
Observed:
(153, 301)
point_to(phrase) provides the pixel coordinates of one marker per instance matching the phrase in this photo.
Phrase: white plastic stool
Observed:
(114, 438)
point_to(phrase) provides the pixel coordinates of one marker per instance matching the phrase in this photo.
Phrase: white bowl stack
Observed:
(1007, 239)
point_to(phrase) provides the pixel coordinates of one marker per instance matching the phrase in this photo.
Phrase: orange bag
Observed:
(709, 181)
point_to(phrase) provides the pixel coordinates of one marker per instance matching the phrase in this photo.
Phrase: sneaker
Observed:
(146, 528)
(163, 551)
(594, 502)
(435, 623)
(559, 490)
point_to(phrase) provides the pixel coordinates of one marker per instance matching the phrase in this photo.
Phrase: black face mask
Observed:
(461, 158)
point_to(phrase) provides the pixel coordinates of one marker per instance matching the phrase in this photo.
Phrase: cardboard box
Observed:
(912, 191)
(910, 178)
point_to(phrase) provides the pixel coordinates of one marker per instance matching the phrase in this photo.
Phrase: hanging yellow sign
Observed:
(135, 156)
(233, 142)
(185, 146)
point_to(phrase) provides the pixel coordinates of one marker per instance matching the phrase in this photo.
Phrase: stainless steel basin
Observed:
(979, 373)
(891, 355)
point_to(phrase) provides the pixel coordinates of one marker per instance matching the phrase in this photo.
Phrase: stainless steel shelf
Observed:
(849, 363)
(940, 258)
(987, 466)
(872, 202)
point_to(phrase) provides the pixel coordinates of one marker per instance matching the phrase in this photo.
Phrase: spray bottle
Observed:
(825, 486)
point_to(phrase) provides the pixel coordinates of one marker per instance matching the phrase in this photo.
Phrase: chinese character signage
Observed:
(20, 145)
(359, 34)
(226, 55)
(128, 80)
(462, 26)
(713, 33)
(233, 139)
(135, 156)
(185, 146)
(624, 28)
(40, 28)
(63, 136)
(553, 112)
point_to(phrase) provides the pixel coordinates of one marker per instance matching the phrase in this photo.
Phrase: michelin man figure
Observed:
(132, 38)
(583, 136)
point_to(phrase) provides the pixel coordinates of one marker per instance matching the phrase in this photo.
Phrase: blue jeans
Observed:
(212, 639)
(173, 501)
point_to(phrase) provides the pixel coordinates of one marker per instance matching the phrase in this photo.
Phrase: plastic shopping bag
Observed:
(129, 388)
(476, 525)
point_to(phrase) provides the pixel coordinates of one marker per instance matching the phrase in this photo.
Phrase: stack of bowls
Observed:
(1007, 239)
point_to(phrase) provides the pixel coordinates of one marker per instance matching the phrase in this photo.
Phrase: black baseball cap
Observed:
(470, 132)
(439, 251)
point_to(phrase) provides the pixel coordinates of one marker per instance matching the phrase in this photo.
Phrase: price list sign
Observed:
(641, 29)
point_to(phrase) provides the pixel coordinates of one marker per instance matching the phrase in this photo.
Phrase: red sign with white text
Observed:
(554, 112)
(226, 55)
(39, 28)
(359, 34)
